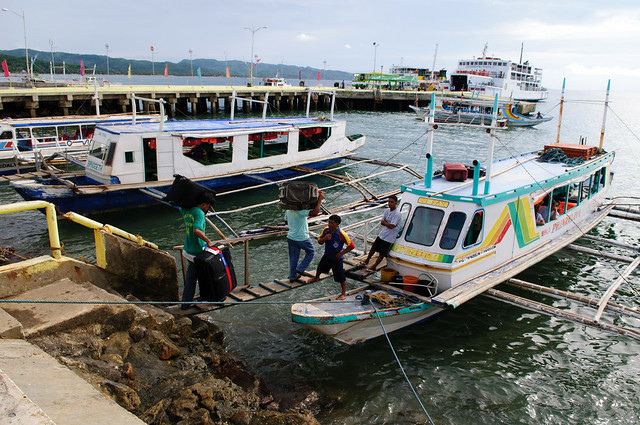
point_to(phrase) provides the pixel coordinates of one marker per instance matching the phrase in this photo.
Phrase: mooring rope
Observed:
(384, 331)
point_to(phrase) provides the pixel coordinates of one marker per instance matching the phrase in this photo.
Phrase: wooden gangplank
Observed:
(40, 174)
(252, 293)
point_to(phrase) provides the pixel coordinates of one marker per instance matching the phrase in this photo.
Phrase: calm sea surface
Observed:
(483, 363)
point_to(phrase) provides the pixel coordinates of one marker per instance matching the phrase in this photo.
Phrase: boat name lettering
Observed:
(414, 252)
(474, 254)
(435, 202)
(94, 166)
(558, 224)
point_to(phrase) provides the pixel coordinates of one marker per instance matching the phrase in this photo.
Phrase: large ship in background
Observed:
(490, 75)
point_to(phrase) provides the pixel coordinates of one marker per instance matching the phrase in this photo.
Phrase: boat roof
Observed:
(512, 177)
(70, 120)
(198, 126)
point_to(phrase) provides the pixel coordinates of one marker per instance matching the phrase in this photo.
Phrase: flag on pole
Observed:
(81, 67)
(299, 75)
(166, 70)
(318, 75)
(5, 69)
(200, 76)
(228, 74)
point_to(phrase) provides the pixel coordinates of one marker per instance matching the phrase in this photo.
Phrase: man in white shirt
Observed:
(390, 221)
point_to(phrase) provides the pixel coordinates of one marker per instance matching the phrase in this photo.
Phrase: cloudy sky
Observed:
(583, 40)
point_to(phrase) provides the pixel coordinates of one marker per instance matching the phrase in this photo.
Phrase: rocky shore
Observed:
(169, 369)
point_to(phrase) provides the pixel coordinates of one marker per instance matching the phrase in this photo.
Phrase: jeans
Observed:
(294, 255)
(189, 285)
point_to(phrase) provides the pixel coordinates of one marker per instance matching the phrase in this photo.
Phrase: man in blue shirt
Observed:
(298, 238)
(194, 240)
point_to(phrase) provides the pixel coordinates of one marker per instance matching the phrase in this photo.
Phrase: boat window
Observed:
(585, 188)
(313, 138)
(6, 135)
(111, 151)
(452, 230)
(405, 209)
(98, 148)
(474, 234)
(128, 157)
(208, 150)
(424, 226)
(262, 145)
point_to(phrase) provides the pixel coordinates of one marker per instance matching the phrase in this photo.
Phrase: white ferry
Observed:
(491, 75)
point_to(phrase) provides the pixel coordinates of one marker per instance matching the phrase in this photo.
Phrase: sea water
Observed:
(485, 362)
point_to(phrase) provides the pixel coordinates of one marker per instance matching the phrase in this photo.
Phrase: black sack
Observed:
(216, 275)
(185, 193)
(298, 195)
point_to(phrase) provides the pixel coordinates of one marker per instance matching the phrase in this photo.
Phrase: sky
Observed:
(588, 42)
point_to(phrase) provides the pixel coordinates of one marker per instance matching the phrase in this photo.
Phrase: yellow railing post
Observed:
(54, 237)
(101, 249)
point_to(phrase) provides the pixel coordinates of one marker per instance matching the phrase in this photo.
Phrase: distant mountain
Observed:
(208, 67)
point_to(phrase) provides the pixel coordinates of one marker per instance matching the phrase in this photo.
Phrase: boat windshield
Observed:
(424, 226)
(452, 230)
(98, 148)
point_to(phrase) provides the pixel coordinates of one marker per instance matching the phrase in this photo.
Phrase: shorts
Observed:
(327, 264)
(381, 246)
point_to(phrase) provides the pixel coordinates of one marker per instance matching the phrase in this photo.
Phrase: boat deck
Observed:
(510, 177)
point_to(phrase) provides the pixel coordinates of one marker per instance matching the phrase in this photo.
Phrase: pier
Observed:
(196, 100)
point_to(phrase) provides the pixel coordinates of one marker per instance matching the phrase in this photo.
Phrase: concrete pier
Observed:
(195, 100)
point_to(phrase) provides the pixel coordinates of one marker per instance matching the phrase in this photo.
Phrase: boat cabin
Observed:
(453, 230)
(209, 148)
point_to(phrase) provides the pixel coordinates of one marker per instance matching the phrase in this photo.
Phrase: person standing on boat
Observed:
(194, 240)
(334, 240)
(390, 221)
(298, 238)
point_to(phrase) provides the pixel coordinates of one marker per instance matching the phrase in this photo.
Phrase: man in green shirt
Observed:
(194, 240)
(298, 238)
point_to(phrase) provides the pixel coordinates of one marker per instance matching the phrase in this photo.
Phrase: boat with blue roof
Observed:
(133, 165)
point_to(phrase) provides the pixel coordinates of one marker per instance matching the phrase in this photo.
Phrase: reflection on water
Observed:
(485, 362)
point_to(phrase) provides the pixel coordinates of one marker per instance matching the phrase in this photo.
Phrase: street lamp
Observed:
(375, 52)
(191, 59)
(324, 70)
(153, 72)
(24, 28)
(107, 47)
(253, 33)
(53, 64)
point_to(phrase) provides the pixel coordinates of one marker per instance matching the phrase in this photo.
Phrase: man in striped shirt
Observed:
(336, 244)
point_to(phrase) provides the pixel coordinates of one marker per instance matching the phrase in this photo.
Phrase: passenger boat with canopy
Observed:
(467, 229)
(134, 165)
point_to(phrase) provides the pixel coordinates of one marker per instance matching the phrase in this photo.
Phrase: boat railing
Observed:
(54, 235)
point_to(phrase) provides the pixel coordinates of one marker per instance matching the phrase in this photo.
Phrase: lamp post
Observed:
(253, 33)
(324, 70)
(191, 59)
(375, 52)
(153, 72)
(106, 46)
(24, 28)
(53, 64)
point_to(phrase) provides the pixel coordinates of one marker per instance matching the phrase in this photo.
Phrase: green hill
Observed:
(208, 67)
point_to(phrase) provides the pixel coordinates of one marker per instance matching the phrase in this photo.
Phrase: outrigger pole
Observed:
(333, 100)
(430, 129)
(564, 80)
(604, 117)
(492, 136)
(265, 103)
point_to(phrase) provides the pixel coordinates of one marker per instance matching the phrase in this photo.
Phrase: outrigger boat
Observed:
(463, 234)
(134, 165)
(460, 110)
(22, 139)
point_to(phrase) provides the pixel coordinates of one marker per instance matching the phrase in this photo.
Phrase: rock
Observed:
(128, 371)
(162, 345)
(290, 418)
(156, 415)
(241, 417)
(123, 395)
(118, 343)
(115, 359)
(137, 332)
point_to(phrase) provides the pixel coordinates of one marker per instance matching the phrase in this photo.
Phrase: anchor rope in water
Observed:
(384, 331)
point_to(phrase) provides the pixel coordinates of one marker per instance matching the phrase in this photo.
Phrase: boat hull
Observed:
(352, 322)
(107, 198)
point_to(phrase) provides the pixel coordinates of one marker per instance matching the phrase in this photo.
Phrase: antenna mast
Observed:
(433, 66)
